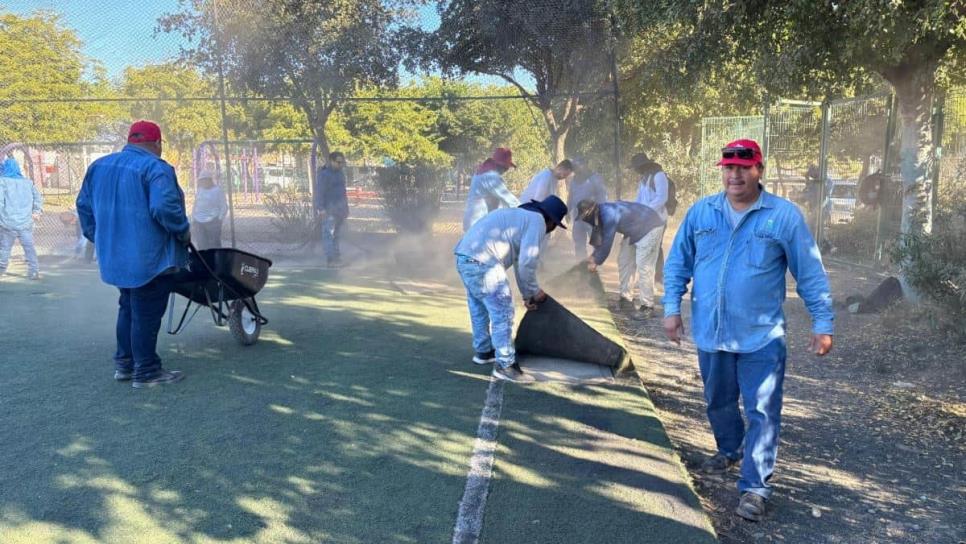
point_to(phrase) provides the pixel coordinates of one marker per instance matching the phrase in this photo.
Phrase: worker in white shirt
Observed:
(547, 182)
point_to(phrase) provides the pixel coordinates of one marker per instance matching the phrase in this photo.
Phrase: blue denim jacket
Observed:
(131, 207)
(739, 275)
(329, 194)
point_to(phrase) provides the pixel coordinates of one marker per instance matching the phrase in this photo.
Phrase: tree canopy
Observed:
(314, 52)
(560, 46)
(42, 59)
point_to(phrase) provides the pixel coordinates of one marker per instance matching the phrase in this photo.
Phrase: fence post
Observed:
(617, 117)
(765, 138)
(938, 127)
(823, 173)
(224, 134)
(878, 246)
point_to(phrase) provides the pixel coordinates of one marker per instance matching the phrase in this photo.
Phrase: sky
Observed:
(116, 33)
(124, 33)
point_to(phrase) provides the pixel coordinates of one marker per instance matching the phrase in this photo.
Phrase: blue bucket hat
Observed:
(551, 207)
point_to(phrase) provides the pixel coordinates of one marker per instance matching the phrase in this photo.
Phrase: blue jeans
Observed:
(138, 322)
(491, 308)
(26, 236)
(331, 229)
(757, 377)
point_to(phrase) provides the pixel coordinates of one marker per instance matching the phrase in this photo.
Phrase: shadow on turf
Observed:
(352, 421)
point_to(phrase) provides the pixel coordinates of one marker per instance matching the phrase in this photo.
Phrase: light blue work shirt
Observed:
(739, 274)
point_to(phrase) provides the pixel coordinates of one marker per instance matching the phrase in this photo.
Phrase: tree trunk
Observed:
(318, 134)
(317, 121)
(914, 94)
(914, 88)
(559, 140)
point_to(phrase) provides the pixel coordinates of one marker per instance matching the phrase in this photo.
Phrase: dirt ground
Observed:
(872, 445)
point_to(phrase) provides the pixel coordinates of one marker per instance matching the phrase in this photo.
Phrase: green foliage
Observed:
(316, 52)
(562, 48)
(186, 124)
(935, 266)
(42, 59)
(403, 131)
(654, 113)
(293, 216)
(411, 196)
(469, 130)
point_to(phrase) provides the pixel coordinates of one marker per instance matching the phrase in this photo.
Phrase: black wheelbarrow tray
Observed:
(224, 280)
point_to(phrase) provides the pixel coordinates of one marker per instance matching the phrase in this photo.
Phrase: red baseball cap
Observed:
(144, 131)
(504, 157)
(741, 153)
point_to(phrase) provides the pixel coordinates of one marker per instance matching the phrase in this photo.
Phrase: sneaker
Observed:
(751, 506)
(164, 378)
(624, 304)
(485, 358)
(646, 311)
(122, 376)
(718, 463)
(512, 373)
(34, 276)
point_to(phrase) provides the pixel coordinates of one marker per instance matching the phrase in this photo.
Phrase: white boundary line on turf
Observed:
(469, 522)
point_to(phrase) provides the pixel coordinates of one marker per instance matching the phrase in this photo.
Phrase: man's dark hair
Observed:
(566, 164)
(335, 155)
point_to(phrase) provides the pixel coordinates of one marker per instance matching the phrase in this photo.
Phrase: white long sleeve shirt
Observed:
(508, 237)
(210, 204)
(542, 185)
(654, 195)
(487, 192)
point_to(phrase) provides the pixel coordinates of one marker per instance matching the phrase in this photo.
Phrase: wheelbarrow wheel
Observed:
(244, 326)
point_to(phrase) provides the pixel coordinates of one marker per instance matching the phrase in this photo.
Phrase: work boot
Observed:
(123, 376)
(164, 378)
(624, 304)
(512, 373)
(485, 358)
(718, 464)
(751, 506)
(646, 311)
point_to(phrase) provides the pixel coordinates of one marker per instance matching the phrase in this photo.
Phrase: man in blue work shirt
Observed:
(131, 207)
(640, 225)
(331, 202)
(735, 247)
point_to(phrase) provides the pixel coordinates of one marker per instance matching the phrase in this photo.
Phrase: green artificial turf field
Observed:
(351, 420)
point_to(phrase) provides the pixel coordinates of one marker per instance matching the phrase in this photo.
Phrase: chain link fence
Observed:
(195, 70)
(951, 186)
(826, 156)
(715, 133)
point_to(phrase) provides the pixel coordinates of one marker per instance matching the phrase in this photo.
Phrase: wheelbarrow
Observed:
(225, 281)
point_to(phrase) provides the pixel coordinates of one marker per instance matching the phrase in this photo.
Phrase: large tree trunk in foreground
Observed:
(914, 88)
